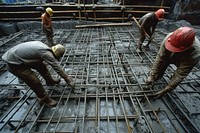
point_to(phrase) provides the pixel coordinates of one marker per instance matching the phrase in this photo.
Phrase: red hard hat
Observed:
(160, 13)
(180, 40)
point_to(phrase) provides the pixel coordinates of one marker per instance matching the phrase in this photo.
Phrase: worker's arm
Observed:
(181, 72)
(51, 60)
(159, 64)
(152, 31)
(143, 24)
(186, 65)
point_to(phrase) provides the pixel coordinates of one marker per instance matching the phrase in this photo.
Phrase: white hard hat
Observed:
(58, 50)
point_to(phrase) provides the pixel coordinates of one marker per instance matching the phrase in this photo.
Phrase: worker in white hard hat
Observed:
(47, 25)
(24, 57)
(181, 48)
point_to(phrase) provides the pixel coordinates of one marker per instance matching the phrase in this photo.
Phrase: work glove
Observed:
(130, 17)
(150, 81)
(70, 82)
(162, 92)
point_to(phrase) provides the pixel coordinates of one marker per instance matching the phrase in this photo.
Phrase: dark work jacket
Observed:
(148, 22)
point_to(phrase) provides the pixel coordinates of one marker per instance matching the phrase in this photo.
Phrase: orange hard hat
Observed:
(180, 40)
(160, 14)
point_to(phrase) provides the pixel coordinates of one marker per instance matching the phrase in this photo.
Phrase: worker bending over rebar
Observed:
(180, 48)
(24, 57)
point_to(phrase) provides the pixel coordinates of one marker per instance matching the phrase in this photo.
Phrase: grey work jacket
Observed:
(184, 61)
(33, 51)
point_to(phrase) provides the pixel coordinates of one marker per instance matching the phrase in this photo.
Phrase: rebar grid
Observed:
(110, 96)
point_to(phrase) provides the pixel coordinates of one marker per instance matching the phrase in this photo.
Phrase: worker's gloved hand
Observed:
(70, 82)
(150, 81)
(130, 17)
(162, 92)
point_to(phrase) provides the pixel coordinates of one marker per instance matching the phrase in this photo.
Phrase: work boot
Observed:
(138, 50)
(53, 82)
(48, 101)
(139, 47)
(146, 46)
(70, 82)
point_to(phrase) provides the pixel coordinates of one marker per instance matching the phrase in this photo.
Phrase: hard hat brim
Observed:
(160, 19)
(171, 48)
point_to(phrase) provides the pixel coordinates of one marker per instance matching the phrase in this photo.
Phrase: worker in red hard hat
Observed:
(47, 25)
(148, 23)
(24, 57)
(180, 48)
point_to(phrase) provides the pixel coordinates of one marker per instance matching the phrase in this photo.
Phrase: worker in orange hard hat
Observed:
(148, 24)
(47, 25)
(180, 48)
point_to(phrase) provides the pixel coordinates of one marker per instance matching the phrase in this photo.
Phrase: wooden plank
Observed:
(88, 5)
(103, 25)
(80, 11)
(140, 26)
(64, 17)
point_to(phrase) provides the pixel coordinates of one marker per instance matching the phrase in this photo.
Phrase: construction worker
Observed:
(47, 25)
(147, 26)
(24, 57)
(180, 48)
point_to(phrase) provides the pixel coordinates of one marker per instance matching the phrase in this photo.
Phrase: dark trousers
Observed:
(143, 36)
(25, 73)
(49, 36)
